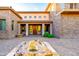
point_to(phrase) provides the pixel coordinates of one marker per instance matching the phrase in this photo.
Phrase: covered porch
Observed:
(34, 27)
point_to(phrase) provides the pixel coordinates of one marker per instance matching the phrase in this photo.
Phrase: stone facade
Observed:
(14, 32)
(66, 25)
(70, 26)
(4, 14)
(56, 23)
(65, 22)
(9, 16)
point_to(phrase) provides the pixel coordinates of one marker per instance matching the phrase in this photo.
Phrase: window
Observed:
(34, 16)
(44, 16)
(39, 16)
(71, 5)
(30, 16)
(25, 16)
(2, 24)
(12, 25)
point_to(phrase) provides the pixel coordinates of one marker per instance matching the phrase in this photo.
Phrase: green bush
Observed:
(46, 34)
(51, 36)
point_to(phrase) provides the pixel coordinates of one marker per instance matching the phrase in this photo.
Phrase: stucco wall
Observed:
(35, 14)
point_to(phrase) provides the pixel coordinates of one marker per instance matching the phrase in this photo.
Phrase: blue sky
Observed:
(29, 6)
(62, 5)
(25, 6)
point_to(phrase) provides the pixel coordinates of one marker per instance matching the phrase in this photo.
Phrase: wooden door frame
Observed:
(36, 30)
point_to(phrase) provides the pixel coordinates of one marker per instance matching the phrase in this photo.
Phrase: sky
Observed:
(24, 6)
(29, 6)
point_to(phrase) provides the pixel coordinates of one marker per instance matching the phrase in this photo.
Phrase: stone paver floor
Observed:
(64, 47)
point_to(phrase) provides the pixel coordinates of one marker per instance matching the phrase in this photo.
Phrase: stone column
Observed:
(26, 29)
(43, 29)
(19, 32)
(50, 28)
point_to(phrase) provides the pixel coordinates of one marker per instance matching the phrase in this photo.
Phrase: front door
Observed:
(34, 30)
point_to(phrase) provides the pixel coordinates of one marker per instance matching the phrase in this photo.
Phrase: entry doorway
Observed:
(23, 29)
(47, 28)
(35, 29)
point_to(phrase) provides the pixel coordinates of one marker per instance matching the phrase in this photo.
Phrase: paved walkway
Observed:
(65, 47)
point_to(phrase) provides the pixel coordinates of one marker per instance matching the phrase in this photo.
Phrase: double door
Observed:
(34, 29)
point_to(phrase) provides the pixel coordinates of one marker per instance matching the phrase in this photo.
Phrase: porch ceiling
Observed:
(35, 22)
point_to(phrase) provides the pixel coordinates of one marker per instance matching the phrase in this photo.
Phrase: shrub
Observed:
(51, 36)
(46, 34)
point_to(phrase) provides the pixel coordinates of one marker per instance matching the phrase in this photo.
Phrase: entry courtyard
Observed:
(64, 47)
